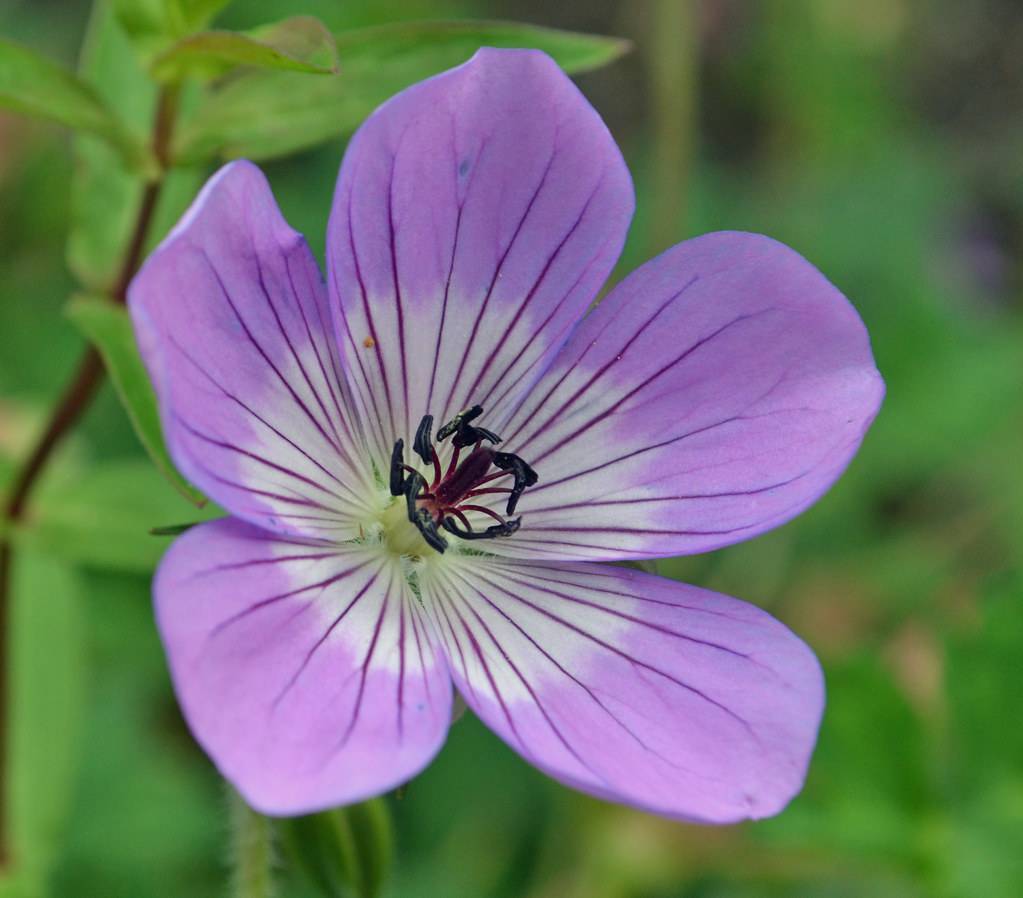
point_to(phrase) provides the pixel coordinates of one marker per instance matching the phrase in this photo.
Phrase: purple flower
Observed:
(375, 554)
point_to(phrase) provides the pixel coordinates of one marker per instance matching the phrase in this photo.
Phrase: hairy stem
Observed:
(251, 851)
(74, 400)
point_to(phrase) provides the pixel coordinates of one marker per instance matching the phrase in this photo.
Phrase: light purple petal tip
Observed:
(714, 394)
(476, 215)
(308, 673)
(232, 321)
(631, 687)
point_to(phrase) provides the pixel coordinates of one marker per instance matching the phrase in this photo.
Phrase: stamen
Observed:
(487, 491)
(454, 460)
(397, 464)
(482, 509)
(421, 445)
(443, 503)
(413, 485)
(523, 474)
(428, 528)
(458, 514)
(497, 475)
(505, 529)
(456, 423)
(462, 433)
(421, 517)
(466, 436)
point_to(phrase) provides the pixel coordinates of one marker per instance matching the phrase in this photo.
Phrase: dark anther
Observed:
(413, 485)
(428, 527)
(505, 529)
(422, 518)
(464, 433)
(469, 436)
(421, 445)
(523, 474)
(470, 414)
(397, 468)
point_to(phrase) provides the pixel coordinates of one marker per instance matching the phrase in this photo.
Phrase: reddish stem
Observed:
(454, 460)
(483, 510)
(487, 491)
(69, 409)
(460, 516)
(497, 475)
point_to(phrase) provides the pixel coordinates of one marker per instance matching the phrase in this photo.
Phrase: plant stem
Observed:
(251, 851)
(73, 402)
(672, 74)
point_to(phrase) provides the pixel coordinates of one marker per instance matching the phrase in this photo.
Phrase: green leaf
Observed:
(46, 641)
(142, 17)
(104, 197)
(102, 516)
(109, 328)
(261, 115)
(298, 44)
(171, 529)
(196, 14)
(150, 24)
(342, 851)
(425, 48)
(33, 85)
(154, 24)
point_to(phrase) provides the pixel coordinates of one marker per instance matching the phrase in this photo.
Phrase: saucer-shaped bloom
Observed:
(426, 459)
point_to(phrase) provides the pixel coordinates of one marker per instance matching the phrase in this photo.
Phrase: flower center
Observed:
(447, 501)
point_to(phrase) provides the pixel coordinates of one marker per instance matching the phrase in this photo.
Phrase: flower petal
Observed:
(714, 394)
(307, 672)
(232, 320)
(633, 687)
(476, 215)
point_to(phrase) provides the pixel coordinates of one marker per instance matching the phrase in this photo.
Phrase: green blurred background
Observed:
(883, 139)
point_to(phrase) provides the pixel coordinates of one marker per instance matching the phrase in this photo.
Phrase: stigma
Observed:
(449, 501)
